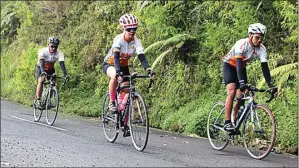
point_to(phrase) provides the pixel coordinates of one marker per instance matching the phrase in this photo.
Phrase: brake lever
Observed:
(242, 96)
(272, 96)
(150, 84)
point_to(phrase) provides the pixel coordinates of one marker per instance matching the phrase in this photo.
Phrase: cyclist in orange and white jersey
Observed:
(125, 45)
(47, 57)
(234, 67)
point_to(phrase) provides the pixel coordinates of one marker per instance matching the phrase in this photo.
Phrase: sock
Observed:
(126, 119)
(112, 96)
(227, 121)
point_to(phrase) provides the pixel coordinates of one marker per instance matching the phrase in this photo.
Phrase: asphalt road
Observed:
(75, 141)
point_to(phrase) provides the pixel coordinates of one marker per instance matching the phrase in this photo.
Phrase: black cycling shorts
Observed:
(38, 72)
(230, 74)
(124, 70)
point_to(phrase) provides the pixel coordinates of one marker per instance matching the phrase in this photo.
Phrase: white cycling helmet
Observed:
(257, 28)
(128, 21)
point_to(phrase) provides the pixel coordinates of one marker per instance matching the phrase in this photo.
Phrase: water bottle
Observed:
(122, 105)
(240, 112)
(44, 95)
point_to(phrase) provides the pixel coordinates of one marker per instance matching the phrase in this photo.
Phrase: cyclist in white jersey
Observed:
(125, 45)
(234, 67)
(47, 57)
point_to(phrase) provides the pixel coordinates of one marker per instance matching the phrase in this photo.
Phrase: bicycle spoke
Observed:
(138, 123)
(52, 105)
(37, 113)
(259, 134)
(217, 136)
(109, 122)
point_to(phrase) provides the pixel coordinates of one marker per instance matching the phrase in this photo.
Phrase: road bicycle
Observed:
(49, 100)
(259, 125)
(135, 114)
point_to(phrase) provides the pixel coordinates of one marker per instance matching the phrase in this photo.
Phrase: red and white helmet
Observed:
(128, 21)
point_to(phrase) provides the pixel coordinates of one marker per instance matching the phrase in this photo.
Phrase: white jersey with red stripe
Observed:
(50, 58)
(127, 50)
(247, 52)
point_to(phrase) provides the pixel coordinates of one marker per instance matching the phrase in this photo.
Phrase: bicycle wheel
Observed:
(217, 136)
(138, 122)
(259, 132)
(52, 105)
(109, 122)
(37, 113)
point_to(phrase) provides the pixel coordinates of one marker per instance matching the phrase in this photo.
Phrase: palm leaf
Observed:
(142, 4)
(154, 46)
(161, 57)
(176, 39)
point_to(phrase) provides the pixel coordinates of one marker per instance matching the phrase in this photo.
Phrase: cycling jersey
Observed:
(127, 50)
(243, 49)
(50, 58)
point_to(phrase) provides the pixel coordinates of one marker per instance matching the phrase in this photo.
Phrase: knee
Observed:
(40, 79)
(113, 77)
(231, 92)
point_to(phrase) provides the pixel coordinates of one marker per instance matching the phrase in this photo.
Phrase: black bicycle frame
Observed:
(131, 91)
(244, 114)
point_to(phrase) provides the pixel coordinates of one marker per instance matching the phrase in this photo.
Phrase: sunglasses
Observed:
(130, 29)
(55, 47)
(259, 37)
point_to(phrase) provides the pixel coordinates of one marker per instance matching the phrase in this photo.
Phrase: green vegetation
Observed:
(184, 42)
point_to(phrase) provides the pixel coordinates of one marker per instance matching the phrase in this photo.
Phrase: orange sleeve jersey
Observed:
(243, 49)
(127, 50)
(50, 58)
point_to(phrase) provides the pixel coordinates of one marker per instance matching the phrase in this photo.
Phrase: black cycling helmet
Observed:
(53, 41)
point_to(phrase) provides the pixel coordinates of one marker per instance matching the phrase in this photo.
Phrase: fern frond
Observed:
(161, 57)
(175, 40)
(282, 80)
(284, 70)
(286, 77)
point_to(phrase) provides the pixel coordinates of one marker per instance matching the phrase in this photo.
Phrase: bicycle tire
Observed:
(215, 123)
(37, 113)
(111, 131)
(257, 148)
(52, 105)
(138, 122)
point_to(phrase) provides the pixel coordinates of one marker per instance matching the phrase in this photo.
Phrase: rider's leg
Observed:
(111, 73)
(231, 91)
(125, 71)
(230, 79)
(39, 86)
(238, 104)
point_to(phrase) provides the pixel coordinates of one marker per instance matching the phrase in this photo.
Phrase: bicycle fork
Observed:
(255, 119)
(124, 116)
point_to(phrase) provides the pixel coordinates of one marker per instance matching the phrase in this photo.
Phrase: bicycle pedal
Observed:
(127, 133)
(234, 132)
